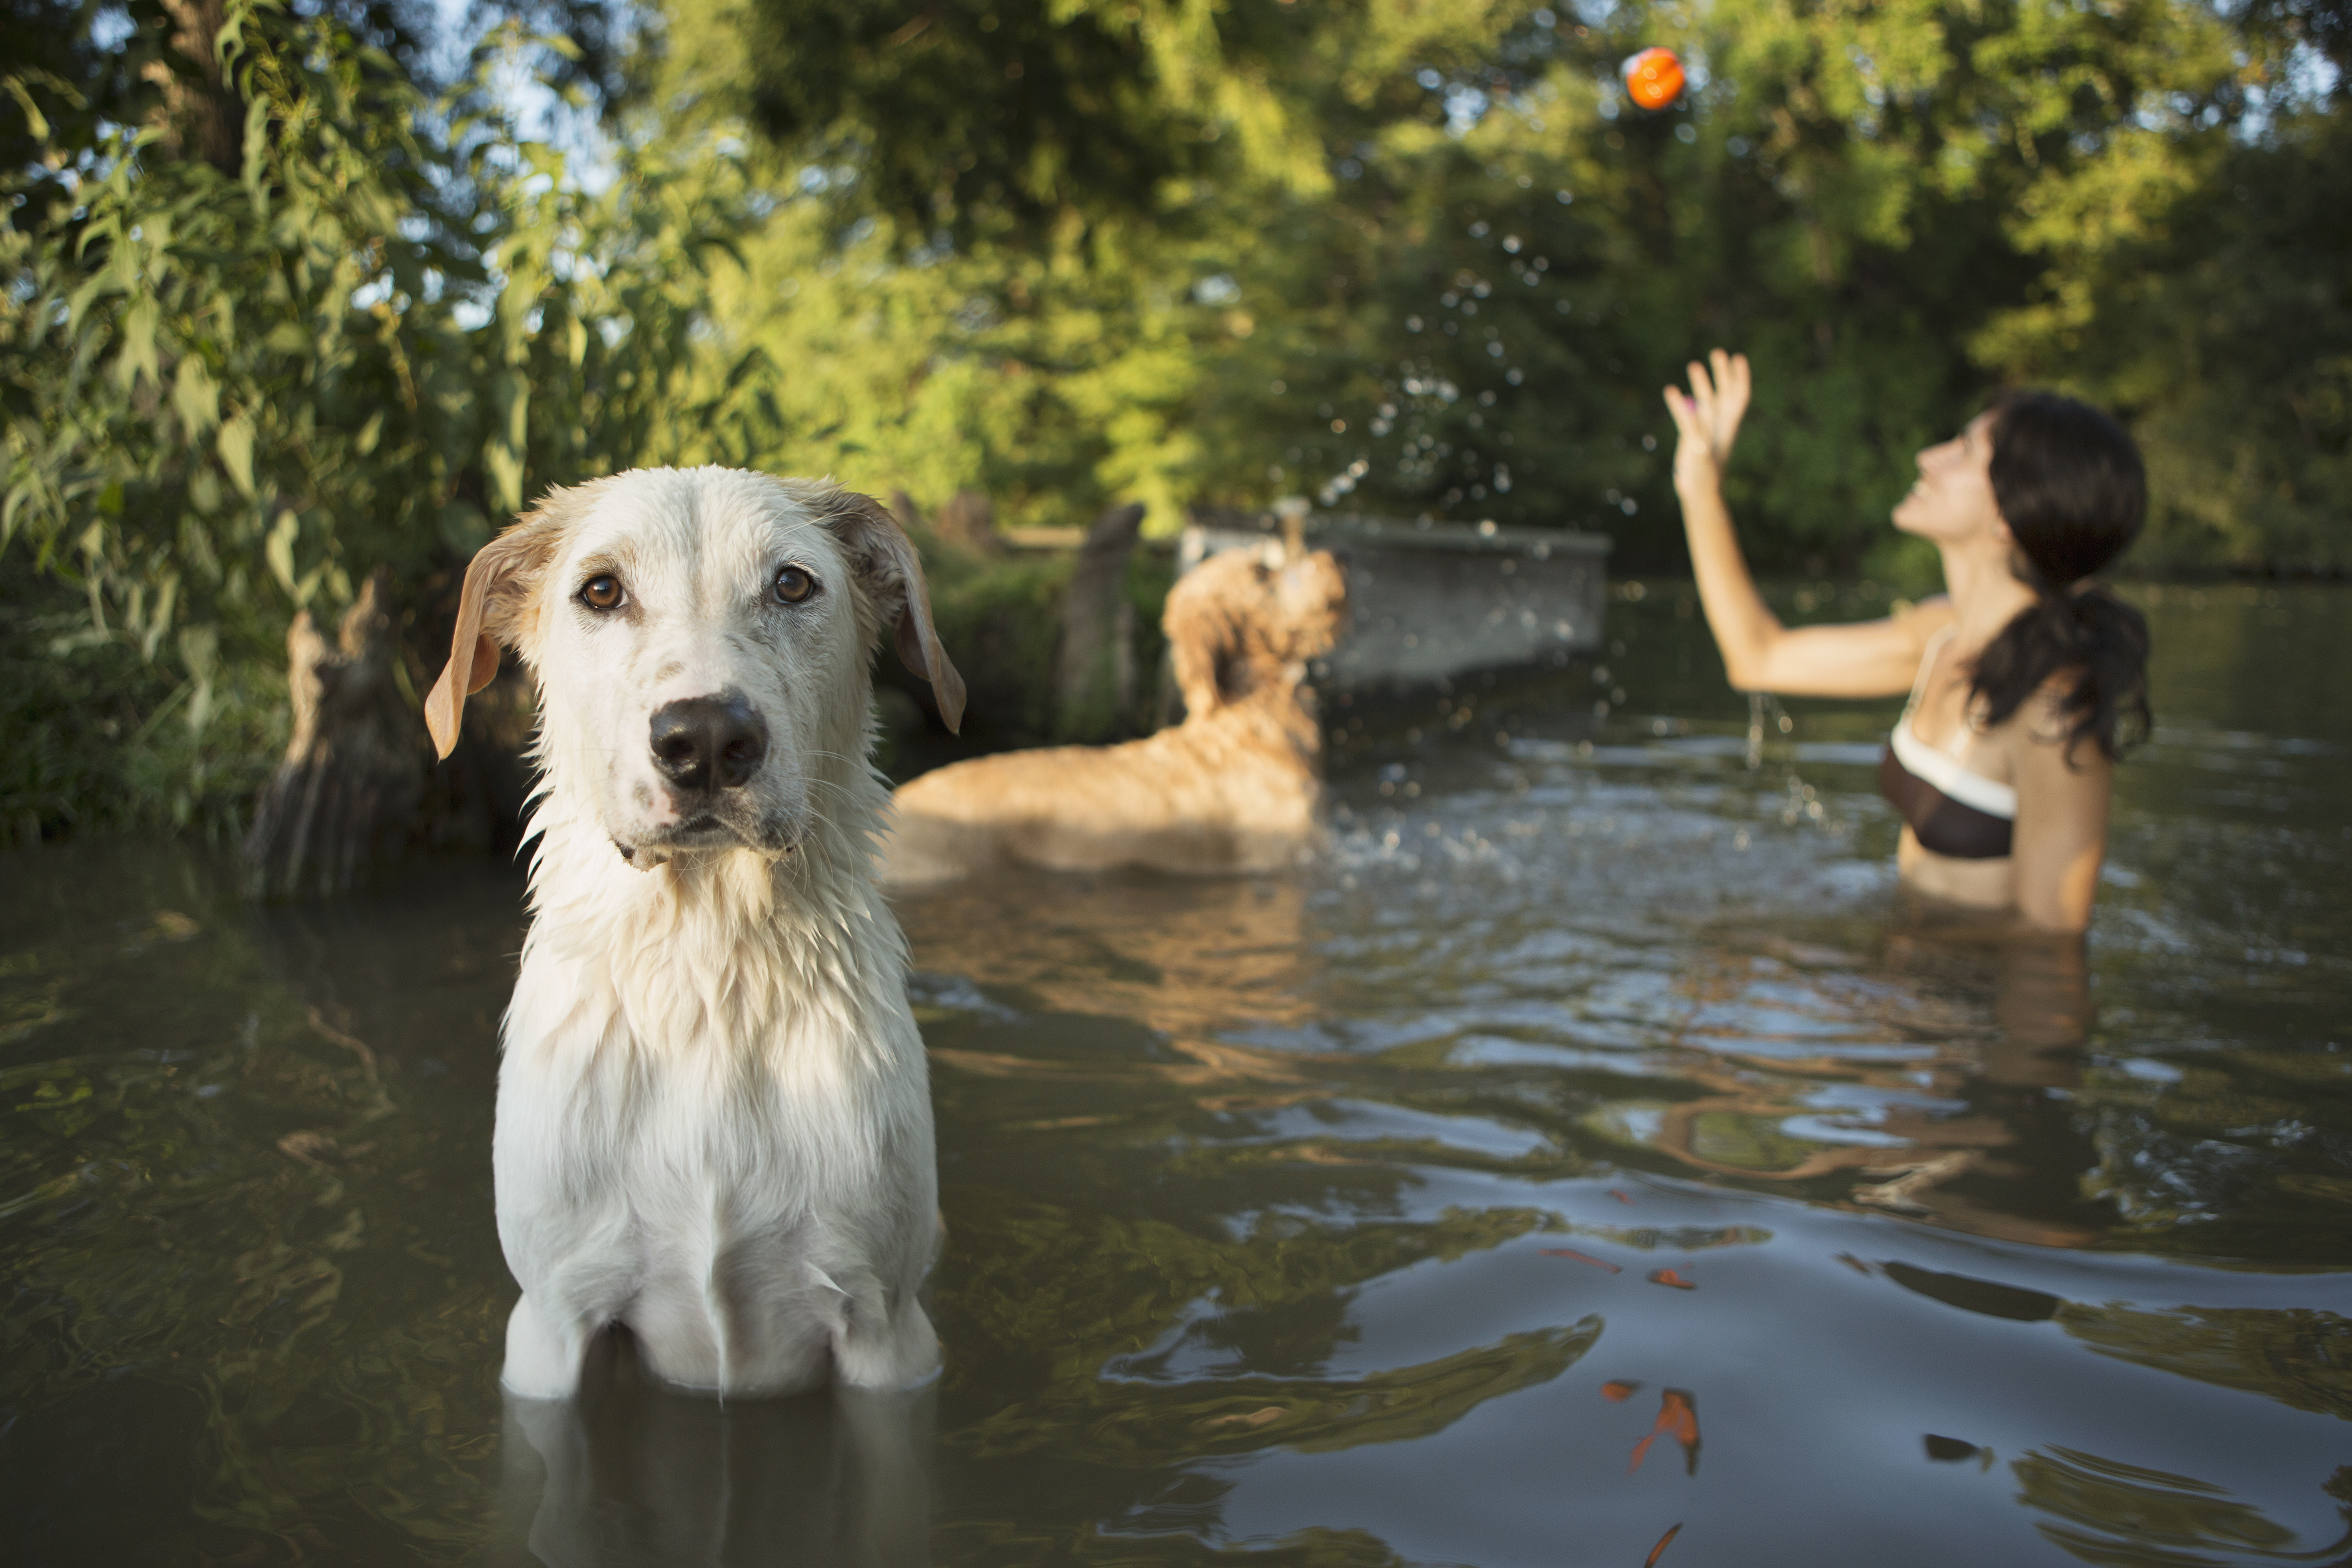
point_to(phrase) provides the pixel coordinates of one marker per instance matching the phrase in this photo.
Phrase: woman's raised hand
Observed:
(1708, 415)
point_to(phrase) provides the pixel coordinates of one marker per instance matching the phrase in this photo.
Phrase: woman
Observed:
(2022, 679)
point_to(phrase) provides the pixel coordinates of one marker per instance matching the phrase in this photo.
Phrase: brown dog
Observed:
(1236, 788)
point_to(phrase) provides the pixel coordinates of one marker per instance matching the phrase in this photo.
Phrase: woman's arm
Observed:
(2061, 837)
(1867, 658)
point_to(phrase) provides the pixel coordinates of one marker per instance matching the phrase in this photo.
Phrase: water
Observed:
(1596, 1147)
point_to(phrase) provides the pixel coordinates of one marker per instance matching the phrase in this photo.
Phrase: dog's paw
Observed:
(903, 1355)
(543, 1360)
(538, 1392)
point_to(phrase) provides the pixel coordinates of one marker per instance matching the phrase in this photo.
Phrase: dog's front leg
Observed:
(545, 1349)
(886, 1340)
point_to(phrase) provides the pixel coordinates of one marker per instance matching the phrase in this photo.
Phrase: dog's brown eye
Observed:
(601, 592)
(793, 585)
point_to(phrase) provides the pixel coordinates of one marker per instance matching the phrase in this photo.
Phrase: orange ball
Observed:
(1655, 78)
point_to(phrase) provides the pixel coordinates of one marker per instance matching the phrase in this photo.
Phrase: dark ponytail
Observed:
(2070, 485)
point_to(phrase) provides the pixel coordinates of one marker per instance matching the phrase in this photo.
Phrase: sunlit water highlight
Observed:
(1593, 1144)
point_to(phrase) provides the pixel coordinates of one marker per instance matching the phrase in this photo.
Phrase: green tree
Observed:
(2219, 317)
(231, 394)
(1410, 259)
(1438, 263)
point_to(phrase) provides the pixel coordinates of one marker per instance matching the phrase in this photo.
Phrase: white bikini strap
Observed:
(1927, 663)
(1956, 749)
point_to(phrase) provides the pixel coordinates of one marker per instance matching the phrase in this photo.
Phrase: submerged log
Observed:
(345, 797)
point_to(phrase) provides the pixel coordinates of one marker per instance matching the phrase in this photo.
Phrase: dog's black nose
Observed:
(708, 743)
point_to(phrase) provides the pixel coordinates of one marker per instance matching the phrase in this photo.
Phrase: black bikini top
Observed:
(1951, 811)
(1942, 826)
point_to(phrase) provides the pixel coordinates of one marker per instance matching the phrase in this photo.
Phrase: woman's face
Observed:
(1952, 503)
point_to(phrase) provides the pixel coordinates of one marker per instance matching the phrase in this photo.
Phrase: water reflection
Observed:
(1186, 958)
(1342, 1241)
(2302, 1358)
(1586, 1098)
(1927, 1074)
(631, 1475)
(1549, 989)
(241, 1197)
(2127, 1516)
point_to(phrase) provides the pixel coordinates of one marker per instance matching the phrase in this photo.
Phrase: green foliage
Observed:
(95, 737)
(1411, 260)
(1001, 618)
(203, 428)
(1028, 118)
(1441, 265)
(1832, 198)
(230, 395)
(2227, 331)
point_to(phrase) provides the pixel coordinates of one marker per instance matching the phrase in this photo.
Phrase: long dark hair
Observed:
(2069, 483)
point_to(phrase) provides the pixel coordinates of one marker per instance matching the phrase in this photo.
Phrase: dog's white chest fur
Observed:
(714, 1127)
(714, 1122)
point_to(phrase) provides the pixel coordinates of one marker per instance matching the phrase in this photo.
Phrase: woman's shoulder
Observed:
(1923, 624)
(1925, 618)
(2044, 726)
(1918, 624)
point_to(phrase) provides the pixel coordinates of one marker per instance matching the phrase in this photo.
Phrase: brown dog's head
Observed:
(700, 639)
(1245, 621)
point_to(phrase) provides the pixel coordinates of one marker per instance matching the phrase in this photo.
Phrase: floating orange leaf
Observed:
(1617, 1391)
(1668, 1276)
(1677, 1414)
(1618, 1193)
(1581, 1257)
(1660, 1549)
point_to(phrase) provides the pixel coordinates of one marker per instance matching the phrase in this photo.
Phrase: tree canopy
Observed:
(285, 305)
(1434, 259)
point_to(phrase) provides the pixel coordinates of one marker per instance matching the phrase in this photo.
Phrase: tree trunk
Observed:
(345, 797)
(1094, 668)
(968, 523)
(202, 117)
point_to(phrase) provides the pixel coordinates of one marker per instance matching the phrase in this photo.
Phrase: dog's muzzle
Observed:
(708, 751)
(711, 755)
(703, 744)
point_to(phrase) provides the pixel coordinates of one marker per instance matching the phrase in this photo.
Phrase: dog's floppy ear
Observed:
(1196, 632)
(496, 581)
(885, 563)
(1203, 620)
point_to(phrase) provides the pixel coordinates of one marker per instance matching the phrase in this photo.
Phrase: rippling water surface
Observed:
(1593, 1160)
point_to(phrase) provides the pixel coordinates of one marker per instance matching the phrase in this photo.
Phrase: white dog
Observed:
(714, 1119)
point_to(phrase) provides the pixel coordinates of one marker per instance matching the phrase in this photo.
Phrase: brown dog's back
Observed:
(1235, 788)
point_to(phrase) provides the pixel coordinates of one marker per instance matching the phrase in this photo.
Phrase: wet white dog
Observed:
(714, 1118)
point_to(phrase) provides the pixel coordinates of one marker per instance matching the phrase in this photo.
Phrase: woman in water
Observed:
(2023, 680)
